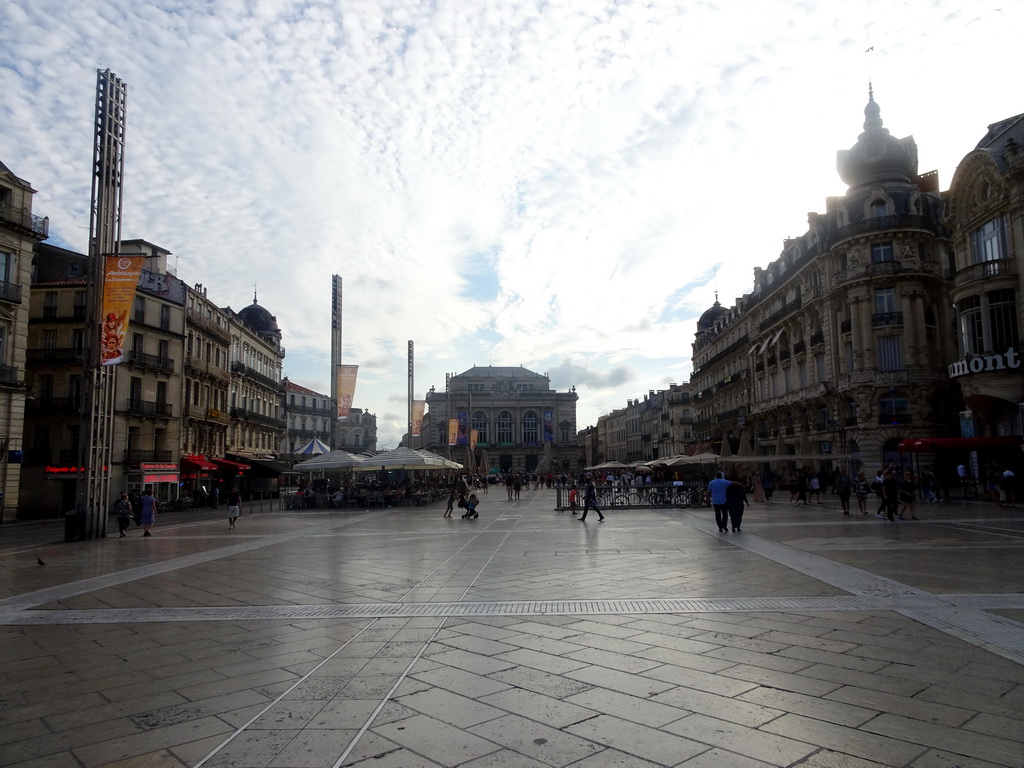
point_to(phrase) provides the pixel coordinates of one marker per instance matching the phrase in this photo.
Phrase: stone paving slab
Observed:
(523, 639)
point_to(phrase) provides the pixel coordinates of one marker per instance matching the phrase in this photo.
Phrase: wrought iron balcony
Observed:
(137, 456)
(54, 404)
(150, 408)
(22, 219)
(153, 362)
(55, 356)
(10, 375)
(10, 292)
(886, 319)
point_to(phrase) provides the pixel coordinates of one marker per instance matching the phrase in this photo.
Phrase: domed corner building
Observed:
(840, 350)
(519, 422)
(257, 420)
(986, 213)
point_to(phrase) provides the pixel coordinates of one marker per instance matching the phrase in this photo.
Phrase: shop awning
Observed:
(198, 462)
(235, 466)
(272, 468)
(930, 444)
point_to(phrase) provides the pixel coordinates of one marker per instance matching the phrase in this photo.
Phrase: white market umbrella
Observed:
(332, 460)
(405, 458)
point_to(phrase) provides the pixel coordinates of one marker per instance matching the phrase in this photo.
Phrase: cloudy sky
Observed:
(558, 184)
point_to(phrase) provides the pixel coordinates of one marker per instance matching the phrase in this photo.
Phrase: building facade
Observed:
(520, 423)
(308, 414)
(20, 232)
(148, 382)
(839, 352)
(986, 215)
(257, 417)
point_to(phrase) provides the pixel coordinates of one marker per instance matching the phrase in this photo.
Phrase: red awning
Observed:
(197, 462)
(930, 444)
(232, 465)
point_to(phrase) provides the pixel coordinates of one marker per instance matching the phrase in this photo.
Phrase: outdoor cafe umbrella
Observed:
(314, 447)
(327, 461)
(405, 458)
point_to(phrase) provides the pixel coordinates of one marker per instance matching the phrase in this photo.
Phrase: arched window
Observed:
(879, 208)
(506, 428)
(479, 423)
(531, 433)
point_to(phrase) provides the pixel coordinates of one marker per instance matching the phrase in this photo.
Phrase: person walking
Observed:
(573, 496)
(720, 501)
(769, 484)
(234, 506)
(590, 501)
(907, 493)
(451, 504)
(861, 488)
(148, 516)
(123, 510)
(757, 487)
(735, 499)
(842, 489)
(890, 495)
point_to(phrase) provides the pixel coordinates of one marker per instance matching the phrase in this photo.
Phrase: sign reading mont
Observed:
(1008, 360)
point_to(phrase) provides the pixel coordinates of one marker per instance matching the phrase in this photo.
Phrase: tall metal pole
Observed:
(411, 383)
(96, 436)
(336, 339)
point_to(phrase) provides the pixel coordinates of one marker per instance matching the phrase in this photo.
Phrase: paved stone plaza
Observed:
(397, 639)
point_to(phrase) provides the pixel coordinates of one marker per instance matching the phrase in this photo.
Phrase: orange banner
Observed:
(120, 277)
(418, 408)
(346, 390)
(453, 431)
(473, 437)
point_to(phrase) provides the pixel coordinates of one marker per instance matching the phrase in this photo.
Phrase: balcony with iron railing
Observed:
(10, 292)
(23, 220)
(879, 224)
(53, 404)
(208, 324)
(152, 362)
(138, 456)
(244, 370)
(10, 376)
(886, 319)
(787, 309)
(150, 408)
(246, 414)
(55, 356)
(52, 312)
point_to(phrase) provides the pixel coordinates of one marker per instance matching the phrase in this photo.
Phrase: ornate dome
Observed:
(711, 316)
(877, 156)
(260, 319)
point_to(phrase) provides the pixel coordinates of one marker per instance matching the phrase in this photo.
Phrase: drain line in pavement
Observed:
(238, 732)
(405, 673)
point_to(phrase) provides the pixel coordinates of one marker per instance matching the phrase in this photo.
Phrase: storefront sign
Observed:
(158, 466)
(64, 470)
(984, 363)
(159, 477)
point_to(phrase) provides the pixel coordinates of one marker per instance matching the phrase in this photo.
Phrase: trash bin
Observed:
(74, 525)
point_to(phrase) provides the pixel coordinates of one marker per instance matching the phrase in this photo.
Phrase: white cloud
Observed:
(561, 185)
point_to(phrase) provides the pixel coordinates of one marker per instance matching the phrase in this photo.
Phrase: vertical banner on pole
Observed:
(346, 384)
(453, 431)
(463, 438)
(120, 277)
(549, 427)
(474, 435)
(418, 409)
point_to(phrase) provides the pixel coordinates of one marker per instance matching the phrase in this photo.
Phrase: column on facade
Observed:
(867, 341)
(910, 338)
(859, 361)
